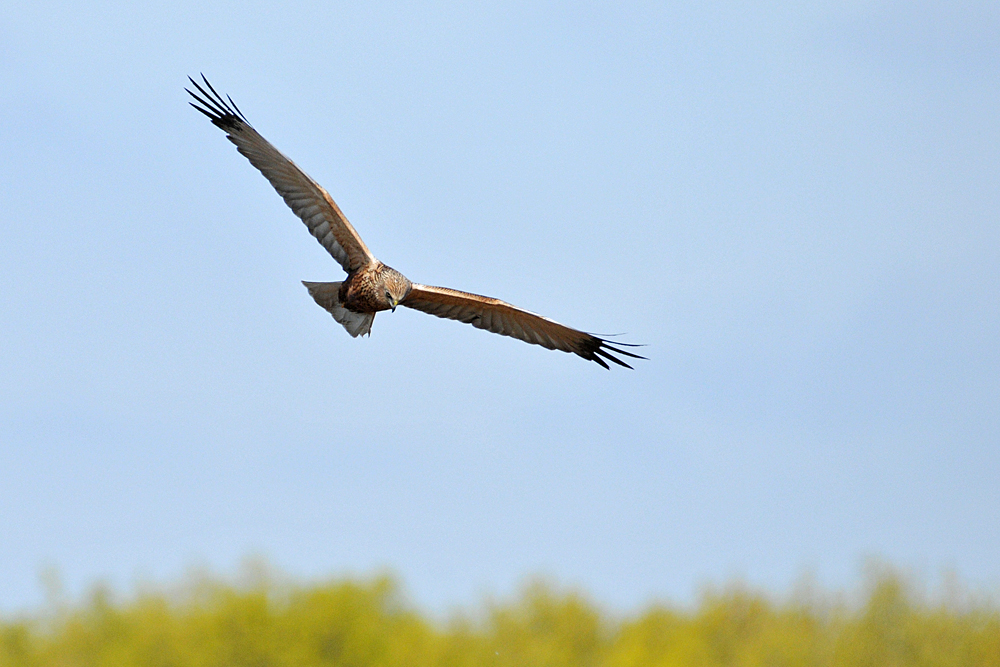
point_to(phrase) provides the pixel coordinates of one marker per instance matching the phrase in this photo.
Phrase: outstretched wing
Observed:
(502, 318)
(303, 195)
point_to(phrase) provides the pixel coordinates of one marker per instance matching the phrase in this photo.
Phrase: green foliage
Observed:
(360, 623)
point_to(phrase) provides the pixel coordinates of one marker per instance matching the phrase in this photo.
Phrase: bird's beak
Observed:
(393, 305)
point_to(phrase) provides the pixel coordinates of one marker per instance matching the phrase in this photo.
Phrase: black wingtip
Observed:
(222, 114)
(607, 355)
(600, 349)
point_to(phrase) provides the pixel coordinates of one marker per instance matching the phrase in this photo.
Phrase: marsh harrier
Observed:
(371, 286)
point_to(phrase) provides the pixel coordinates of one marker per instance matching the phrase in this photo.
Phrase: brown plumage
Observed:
(371, 286)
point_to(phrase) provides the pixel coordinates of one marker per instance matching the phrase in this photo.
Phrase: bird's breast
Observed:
(362, 292)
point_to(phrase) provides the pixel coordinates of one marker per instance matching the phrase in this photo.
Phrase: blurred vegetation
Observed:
(264, 621)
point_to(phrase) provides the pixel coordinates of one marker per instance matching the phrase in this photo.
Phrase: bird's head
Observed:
(396, 287)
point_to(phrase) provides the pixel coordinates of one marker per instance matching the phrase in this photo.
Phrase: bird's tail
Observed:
(327, 295)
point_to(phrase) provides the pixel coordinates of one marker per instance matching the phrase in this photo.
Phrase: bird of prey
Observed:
(371, 286)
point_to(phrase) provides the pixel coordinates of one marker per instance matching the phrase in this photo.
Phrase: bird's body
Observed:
(374, 287)
(371, 286)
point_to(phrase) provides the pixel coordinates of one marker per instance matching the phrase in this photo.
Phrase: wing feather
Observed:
(499, 317)
(307, 199)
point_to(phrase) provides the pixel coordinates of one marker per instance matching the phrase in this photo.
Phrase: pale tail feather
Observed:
(327, 295)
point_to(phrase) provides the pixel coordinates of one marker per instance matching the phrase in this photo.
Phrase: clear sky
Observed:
(795, 206)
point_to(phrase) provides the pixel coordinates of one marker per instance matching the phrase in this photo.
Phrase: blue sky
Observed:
(795, 206)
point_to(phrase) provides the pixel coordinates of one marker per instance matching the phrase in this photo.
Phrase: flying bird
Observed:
(371, 286)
